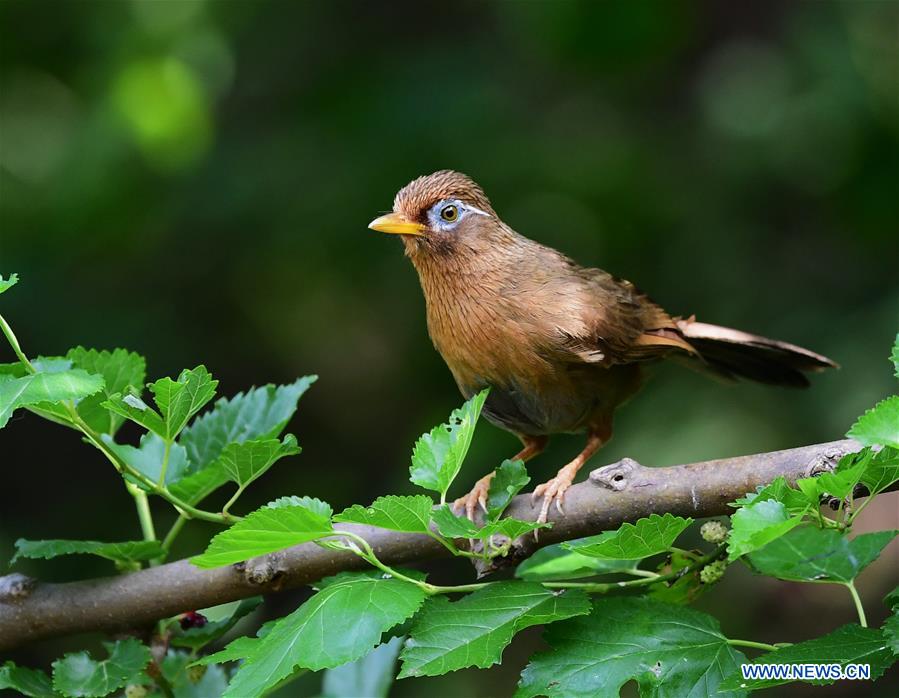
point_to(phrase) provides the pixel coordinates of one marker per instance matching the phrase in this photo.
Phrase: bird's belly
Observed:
(567, 402)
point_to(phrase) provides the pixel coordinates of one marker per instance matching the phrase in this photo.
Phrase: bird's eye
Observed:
(449, 213)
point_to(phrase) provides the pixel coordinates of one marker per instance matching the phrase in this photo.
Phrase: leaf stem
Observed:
(167, 449)
(862, 620)
(173, 532)
(144, 514)
(240, 490)
(756, 645)
(14, 343)
(604, 587)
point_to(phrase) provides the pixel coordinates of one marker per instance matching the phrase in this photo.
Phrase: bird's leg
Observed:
(554, 490)
(533, 445)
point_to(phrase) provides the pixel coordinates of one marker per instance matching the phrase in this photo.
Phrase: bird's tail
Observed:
(734, 354)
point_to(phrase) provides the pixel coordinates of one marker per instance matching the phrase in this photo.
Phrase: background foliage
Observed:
(193, 179)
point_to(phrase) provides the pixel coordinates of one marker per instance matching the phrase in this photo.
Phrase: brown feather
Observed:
(560, 345)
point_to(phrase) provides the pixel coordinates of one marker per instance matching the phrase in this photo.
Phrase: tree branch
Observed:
(623, 491)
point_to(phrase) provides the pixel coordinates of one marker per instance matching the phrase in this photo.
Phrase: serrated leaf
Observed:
(510, 478)
(122, 553)
(148, 457)
(77, 674)
(409, 514)
(260, 413)
(851, 644)
(879, 426)
(670, 651)
(340, 624)
(27, 682)
(438, 455)
(370, 676)
(264, 531)
(451, 525)
(812, 554)
(212, 684)
(197, 486)
(475, 630)
(134, 408)
(882, 470)
(756, 525)
(39, 388)
(795, 501)
(197, 638)
(314, 504)
(8, 283)
(841, 481)
(648, 536)
(246, 461)
(180, 400)
(555, 562)
(891, 632)
(121, 370)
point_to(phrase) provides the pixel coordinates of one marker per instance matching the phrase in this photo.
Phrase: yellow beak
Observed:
(397, 224)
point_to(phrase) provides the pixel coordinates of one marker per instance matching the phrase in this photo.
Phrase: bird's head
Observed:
(441, 213)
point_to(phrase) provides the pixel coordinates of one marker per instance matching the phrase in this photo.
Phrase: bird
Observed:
(559, 346)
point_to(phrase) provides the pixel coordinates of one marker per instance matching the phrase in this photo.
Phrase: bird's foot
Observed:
(554, 490)
(477, 497)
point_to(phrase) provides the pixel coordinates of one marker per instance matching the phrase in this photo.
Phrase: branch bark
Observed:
(613, 494)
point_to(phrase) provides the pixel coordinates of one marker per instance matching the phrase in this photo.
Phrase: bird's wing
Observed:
(620, 324)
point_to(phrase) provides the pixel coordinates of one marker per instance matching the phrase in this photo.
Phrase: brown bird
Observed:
(559, 345)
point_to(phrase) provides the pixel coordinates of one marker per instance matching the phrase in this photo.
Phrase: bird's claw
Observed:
(476, 498)
(553, 491)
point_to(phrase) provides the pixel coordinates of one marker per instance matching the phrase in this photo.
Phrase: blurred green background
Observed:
(193, 179)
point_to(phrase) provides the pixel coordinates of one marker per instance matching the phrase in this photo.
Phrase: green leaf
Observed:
(121, 553)
(409, 514)
(841, 481)
(894, 356)
(213, 683)
(197, 486)
(197, 638)
(670, 651)
(134, 408)
(510, 478)
(795, 502)
(438, 455)
(180, 400)
(812, 554)
(879, 426)
(264, 531)
(246, 461)
(882, 470)
(121, 370)
(27, 682)
(475, 630)
(686, 588)
(756, 525)
(370, 676)
(237, 649)
(260, 413)
(147, 458)
(851, 644)
(891, 632)
(451, 525)
(648, 536)
(340, 624)
(6, 284)
(78, 675)
(555, 562)
(314, 504)
(38, 388)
